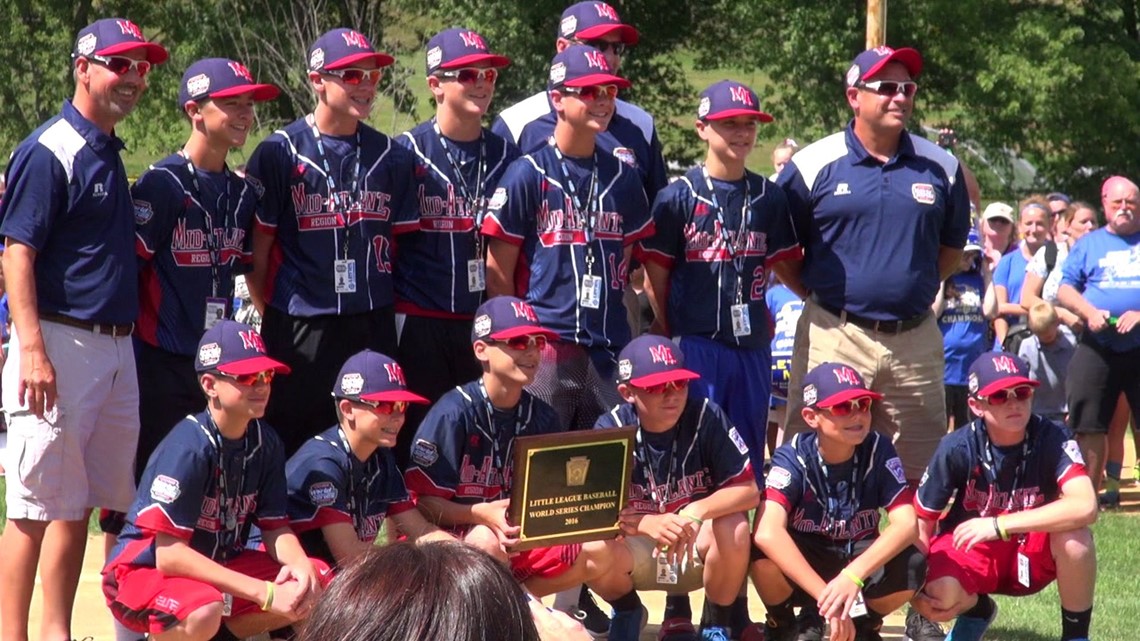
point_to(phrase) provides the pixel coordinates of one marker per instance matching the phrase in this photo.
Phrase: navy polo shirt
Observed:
(69, 200)
(871, 231)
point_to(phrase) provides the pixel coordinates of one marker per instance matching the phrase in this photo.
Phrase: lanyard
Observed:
(356, 504)
(224, 211)
(659, 494)
(227, 502)
(590, 211)
(337, 204)
(493, 436)
(471, 200)
(990, 468)
(741, 236)
(817, 479)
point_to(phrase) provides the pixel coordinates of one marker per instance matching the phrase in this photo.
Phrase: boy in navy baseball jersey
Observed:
(817, 533)
(462, 459)
(562, 226)
(193, 218)
(335, 193)
(1021, 513)
(441, 271)
(718, 230)
(181, 569)
(686, 525)
(344, 481)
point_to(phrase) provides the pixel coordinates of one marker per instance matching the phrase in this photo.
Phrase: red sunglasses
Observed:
(1021, 393)
(470, 75)
(355, 76)
(593, 92)
(854, 406)
(663, 387)
(248, 380)
(120, 65)
(385, 407)
(520, 343)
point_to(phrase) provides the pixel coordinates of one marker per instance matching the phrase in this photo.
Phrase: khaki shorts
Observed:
(690, 576)
(81, 454)
(906, 368)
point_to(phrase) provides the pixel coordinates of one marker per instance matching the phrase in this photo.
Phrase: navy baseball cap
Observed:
(111, 36)
(994, 371)
(582, 66)
(342, 48)
(728, 99)
(372, 376)
(829, 384)
(220, 78)
(650, 360)
(593, 20)
(871, 61)
(505, 317)
(234, 348)
(459, 47)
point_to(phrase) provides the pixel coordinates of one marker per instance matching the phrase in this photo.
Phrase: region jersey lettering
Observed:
(458, 454)
(180, 492)
(957, 468)
(310, 233)
(689, 240)
(793, 482)
(431, 266)
(709, 455)
(171, 241)
(532, 209)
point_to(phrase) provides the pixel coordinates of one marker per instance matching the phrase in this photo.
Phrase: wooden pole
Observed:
(876, 23)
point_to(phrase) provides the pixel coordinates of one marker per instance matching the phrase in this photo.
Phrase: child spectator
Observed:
(817, 532)
(1048, 352)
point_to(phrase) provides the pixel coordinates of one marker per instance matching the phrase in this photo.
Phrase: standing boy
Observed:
(181, 569)
(1022, 513)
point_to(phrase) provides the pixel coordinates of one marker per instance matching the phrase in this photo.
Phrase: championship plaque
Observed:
(570, 487)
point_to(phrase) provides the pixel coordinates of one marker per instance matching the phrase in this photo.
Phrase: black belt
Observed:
(114, 331)
(885, 326)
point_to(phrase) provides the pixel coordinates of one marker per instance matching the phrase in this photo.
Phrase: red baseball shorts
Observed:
(544, 562)
(991, 567)
(145, 600)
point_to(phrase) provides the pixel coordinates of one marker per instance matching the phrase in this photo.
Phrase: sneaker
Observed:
(971, 628)
(809, 625)
(590, 615)
(920, 628)
(677, 629)
(1109, 501)
(628, 624)
(714, 633)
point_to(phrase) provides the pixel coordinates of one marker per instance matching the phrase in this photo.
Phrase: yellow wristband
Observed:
(1001, 532)
(854, 577)
(692, 518)
(268, 597)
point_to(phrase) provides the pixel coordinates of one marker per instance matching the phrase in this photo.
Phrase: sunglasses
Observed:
(890, 87)
(249, 380)
(385, 407)
(593, 92)
(602, 45)
(664, 387)
(470, 75)
(120, 65)
(355, 76)
(520, 343)
(1021, 393)
(854, 406)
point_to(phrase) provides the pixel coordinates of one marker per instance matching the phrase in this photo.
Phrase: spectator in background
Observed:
(1043, 274)
(1048, 352)
(1034, 226)
(782, 154)
(999, 235)
(963, 315)
(785, 307)
(1058, 203)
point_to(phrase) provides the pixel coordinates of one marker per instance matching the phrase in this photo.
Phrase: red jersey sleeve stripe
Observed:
(155, 519)
(795, 252)
(657, 257)
(905, 496)
(645, 231)
(1071, 472)
(779, 497)
(400, 507)
(492, 228)
(420, 483)
(324, 516)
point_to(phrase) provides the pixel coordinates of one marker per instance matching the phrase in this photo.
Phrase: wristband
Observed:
(692, 518)
(854, 577)
(268, 597)
(1002, 534)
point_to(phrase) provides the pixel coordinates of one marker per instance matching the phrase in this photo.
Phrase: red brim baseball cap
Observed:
(669, 376)
(253, 366)
(628, 34)
(395, 395)
(848, 395)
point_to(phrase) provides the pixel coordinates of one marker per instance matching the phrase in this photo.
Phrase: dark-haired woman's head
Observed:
(428, 592)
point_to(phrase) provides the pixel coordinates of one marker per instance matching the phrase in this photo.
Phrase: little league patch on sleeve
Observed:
(424, 454)
(737, 440)
(778, 478)
(165, 489)
(1073, 451)
(323, 493)
(896, 467)
(498, 199)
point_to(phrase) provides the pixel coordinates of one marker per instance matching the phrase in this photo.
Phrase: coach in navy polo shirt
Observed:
(882, 215)
(70, 389)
